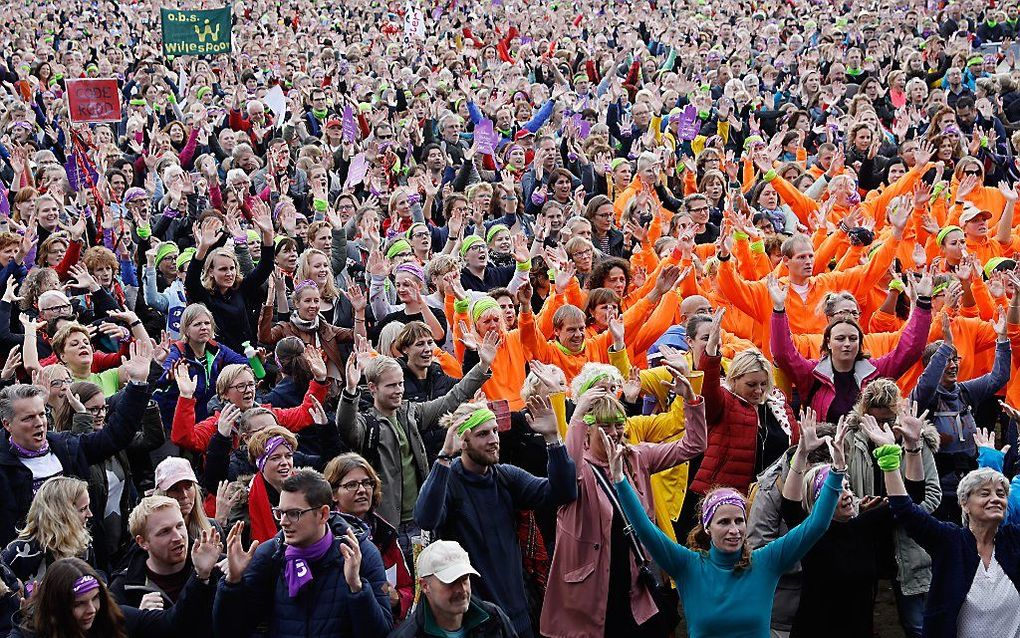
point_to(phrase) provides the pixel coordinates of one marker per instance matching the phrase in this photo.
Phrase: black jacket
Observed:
(75, 453)
(482, 620)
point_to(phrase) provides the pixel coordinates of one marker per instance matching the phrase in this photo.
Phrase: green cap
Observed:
(186, 255)
(496, 228)
(398, 247)
(468, 242)
(165, 249)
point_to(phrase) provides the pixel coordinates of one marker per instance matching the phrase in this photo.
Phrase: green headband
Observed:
(410, 231)
(478, 417)
(975, 59)
(495, 229)
(186, 255)
(580, 77)
(399, 247)
(166, 248)
(137, 102)
(945, 231)
(587, 385)
(615, 164)
(200, 93)
(252, 235)
(994, 263)
(468, 242)
(483, 304)
(590, 420)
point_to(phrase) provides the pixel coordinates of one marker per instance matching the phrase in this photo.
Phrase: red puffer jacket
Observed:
(733, 432)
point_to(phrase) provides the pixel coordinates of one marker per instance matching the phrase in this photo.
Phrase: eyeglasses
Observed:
(509, 198)
(241, 387)
(101, 410)
(697, 210)
(291, 515)
(973, 171)
(62, 308)
(609, 427)
(419, 235)
(352, 486)
(60, 383)
(581, 253)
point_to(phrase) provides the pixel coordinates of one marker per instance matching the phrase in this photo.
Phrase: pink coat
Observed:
(575, 599)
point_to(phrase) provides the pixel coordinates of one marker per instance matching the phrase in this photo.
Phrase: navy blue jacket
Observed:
(325, 607)
(75, 452)
(480, 512)
(954, 562)
(166, 395)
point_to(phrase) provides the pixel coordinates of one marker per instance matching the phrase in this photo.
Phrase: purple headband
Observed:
(725, 496)
(307, 283)
(413, 269)
(271, 446)
(820, 477)
(84, 585)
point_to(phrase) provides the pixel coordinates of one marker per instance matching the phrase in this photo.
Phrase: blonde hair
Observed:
(229, 374)
(747, 362)
(65, 332)
(606, 410)
(880, 393)
(380, 364)
(207, 278)
(150, 504)
(257, 442)
(588, 374)
(328, 290)
(196, 520)
(52, 519)
(387, 336)
(533, 384)
(191, 314)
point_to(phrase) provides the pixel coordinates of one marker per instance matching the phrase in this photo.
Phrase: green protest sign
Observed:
(202, 32)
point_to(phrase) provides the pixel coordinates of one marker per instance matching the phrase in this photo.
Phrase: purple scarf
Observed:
(25, 453)
(297, 572)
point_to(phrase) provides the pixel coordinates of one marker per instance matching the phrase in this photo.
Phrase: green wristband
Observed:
(758, 246)
(461, 305)
(320, 205)
(524, 266)
(888, 457)
(145, 231)
(770, 175)
(740, 235)
(897, 285)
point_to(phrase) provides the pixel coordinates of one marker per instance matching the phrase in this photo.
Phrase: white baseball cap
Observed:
(446, 560)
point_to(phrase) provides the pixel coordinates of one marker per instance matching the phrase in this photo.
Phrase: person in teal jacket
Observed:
(726, 588)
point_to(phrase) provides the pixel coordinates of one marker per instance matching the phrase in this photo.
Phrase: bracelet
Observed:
(795, 470)
(912, 450)
(136, 322)
(445, 457)
(362, 320)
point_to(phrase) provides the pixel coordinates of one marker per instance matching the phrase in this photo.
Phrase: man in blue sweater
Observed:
(474, 500)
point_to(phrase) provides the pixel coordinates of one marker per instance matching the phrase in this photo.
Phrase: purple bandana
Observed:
(84, 585)
(296, 571)
(719, 498)
(307, 283)
(25, 453)
(819, 481)
(412, 269)
(271, 446)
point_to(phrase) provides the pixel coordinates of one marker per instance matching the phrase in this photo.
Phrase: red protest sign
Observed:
(93, 100)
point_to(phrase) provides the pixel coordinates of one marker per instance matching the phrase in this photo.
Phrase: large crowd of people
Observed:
(495, 318)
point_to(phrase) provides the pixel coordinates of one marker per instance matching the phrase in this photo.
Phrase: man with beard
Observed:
(952, 406)
(154, 577)
(474, 499)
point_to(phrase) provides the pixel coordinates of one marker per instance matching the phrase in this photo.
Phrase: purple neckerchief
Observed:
(296, 571)
(271, 446)
(25, 453)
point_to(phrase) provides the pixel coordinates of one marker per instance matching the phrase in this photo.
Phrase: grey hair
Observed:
(970, 484)
(14, 393)
(251, 413)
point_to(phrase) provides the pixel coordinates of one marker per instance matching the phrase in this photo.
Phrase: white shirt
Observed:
(43, 467)
(992, 607)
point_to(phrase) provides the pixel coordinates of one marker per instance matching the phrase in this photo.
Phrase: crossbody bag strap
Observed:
(628, 529)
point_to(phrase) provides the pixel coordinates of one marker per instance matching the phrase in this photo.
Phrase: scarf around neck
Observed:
(297, 572)
(304, 326)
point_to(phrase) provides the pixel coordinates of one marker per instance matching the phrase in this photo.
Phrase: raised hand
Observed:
(809, 439)
(140, 358)
(352, 373)
(238, 558)
(777, 292)
(879, 434)
(715, 333)
(186, 386)
(205, 553)
(227, 420)
(616, 453)
(985, 437)
(316, 364)
(11, 363)
(909, 424)
(542, 418)
(350, 549)
(488, 348)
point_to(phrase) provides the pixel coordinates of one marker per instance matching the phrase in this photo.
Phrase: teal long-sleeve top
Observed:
(720, 602)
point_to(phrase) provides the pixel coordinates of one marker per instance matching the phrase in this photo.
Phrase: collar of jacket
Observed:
(473, 617)
(863, 368)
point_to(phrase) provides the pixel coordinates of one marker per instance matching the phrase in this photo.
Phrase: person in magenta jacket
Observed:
(586, 595)
(832, 384)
